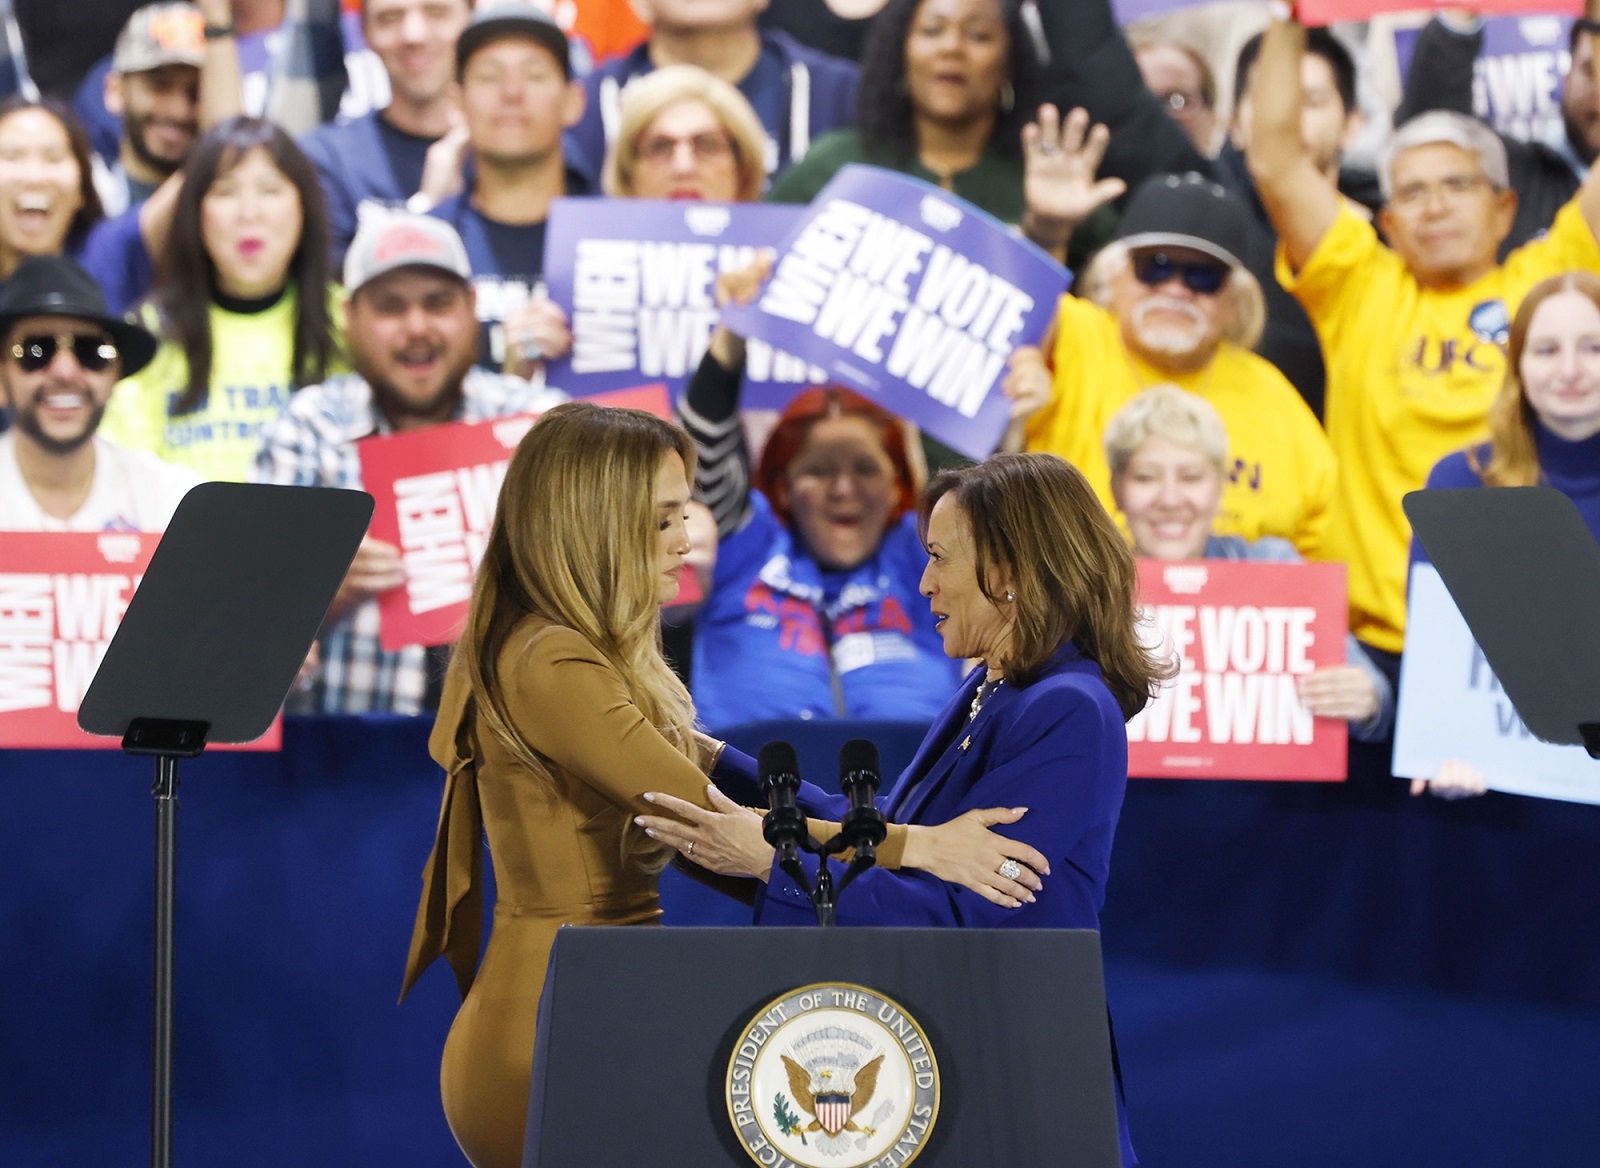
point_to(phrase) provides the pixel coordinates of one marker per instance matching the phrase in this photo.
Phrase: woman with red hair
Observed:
(812, 609)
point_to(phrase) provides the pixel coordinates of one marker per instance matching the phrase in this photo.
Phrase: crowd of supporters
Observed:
(1272, 336)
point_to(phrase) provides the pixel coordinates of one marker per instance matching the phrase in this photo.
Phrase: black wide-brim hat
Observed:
(1186, 210)
(56, 286)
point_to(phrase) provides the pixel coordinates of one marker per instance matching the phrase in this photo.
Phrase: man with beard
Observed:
(172, 78)
(412, 334)
(156, 88)
(1170, 302)
(1544, 175)
(61, 353)
(378, 159)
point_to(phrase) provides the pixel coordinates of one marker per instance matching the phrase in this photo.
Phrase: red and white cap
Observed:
(390, 240)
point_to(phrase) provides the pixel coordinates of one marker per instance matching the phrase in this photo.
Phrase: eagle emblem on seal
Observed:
(832, 1079)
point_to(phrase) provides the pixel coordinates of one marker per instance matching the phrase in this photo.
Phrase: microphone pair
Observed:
(862, 827)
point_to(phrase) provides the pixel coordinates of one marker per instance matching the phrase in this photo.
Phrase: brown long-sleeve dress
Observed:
(556, 845)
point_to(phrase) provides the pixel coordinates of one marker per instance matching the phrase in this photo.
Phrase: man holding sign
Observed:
(413, 338)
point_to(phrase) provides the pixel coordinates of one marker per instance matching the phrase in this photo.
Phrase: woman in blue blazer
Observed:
(1028, 576)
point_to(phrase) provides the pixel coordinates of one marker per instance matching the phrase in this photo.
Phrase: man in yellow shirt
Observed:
(1412, 332)
(1169, 302)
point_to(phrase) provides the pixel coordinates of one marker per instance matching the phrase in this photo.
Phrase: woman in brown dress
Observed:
(558, 714)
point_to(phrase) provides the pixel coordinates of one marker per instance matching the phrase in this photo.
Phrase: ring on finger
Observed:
(689, 851)
(1010, 870)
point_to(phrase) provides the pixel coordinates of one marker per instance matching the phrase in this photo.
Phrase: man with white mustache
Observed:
(412, 333)
(1170, 302)
(61, 354)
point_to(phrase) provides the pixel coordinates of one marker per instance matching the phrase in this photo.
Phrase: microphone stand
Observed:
(862, 828)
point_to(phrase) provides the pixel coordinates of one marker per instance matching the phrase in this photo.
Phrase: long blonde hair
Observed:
(574, 541)
(1513, 426)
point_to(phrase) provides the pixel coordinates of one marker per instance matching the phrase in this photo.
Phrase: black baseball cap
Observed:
(1186, 210)
(509, 20)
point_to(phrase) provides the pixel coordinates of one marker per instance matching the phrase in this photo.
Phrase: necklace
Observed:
(984, 690)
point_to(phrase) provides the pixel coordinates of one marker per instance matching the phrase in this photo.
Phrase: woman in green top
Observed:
(242, 303)
(948, 95)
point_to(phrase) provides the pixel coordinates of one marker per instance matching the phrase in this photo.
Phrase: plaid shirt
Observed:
(313, 444)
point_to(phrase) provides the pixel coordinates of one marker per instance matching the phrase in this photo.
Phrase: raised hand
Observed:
(1060, 158)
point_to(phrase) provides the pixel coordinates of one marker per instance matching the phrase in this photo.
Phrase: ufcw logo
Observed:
(1185, 579)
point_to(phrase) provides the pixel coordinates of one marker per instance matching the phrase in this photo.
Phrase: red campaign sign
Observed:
(1244, 633)
(62, 596)
(436, 490)
(1324, 12)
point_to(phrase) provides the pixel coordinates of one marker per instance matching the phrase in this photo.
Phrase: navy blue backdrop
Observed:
(1315, 976)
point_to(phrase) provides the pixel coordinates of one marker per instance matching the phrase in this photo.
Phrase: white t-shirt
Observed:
(132, 491)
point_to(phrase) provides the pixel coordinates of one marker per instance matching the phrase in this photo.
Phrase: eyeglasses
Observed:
(1156, 268)
(92, 352)
(1453, 188)
(660, 149)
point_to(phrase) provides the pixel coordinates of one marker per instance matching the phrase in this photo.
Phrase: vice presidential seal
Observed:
(833, 1076)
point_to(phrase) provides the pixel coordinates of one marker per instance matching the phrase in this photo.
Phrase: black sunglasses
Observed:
(93, 353)
(1156, 268)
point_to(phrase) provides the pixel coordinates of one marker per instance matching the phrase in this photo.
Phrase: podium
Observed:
(679, 1046)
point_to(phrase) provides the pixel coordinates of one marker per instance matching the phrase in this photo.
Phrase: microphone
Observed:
(784, 825)
(863, 827)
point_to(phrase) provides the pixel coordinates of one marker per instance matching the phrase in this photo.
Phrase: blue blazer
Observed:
(1057, 747)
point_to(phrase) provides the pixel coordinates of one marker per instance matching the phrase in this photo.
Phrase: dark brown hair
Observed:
(1513, 449)
(90, 210)
(1071, 569)
(186, 274)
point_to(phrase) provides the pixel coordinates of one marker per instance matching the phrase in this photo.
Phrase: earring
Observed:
(1008, 98)
(1011, 597)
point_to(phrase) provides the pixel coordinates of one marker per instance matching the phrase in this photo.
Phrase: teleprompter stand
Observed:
(637, 1028)
(210, 644)
(1524, 570)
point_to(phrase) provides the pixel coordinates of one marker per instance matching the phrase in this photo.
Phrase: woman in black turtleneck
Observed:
(242, 302)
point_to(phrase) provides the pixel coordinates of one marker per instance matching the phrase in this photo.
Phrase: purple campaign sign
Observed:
(912, 297)
(636, 276)
(1128, 11)
(1516, 80)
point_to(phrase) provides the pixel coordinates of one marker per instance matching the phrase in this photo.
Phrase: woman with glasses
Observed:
(243, 303)
(812, 584)
(683, 134)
